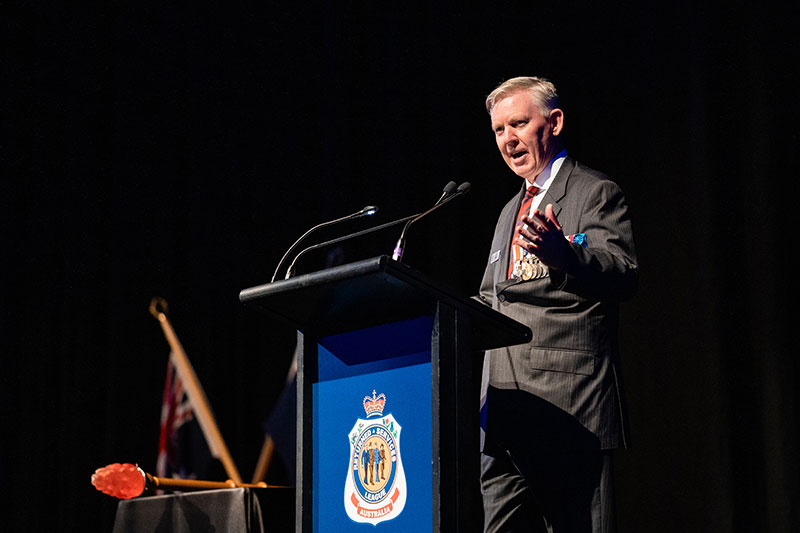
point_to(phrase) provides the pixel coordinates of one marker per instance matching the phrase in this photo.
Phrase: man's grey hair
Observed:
(542, 90)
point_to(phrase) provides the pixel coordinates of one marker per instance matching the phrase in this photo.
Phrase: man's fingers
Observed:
(539, 216)
(540, 225)
(543, 221)
(535, 224)
(526, 239)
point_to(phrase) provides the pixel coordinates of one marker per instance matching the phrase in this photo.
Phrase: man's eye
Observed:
(498, 131)
(520, 123)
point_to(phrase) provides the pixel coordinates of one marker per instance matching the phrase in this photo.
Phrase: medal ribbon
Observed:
(524, 209)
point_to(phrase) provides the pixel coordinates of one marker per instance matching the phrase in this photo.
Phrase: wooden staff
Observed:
(158, 308)
(152, 483)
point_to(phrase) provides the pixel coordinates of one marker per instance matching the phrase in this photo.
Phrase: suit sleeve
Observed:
(486, 293)
(607, 268)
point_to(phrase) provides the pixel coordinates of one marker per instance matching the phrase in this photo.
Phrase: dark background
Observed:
(178, 150)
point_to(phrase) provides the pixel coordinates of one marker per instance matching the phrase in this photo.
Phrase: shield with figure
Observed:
(375, 488)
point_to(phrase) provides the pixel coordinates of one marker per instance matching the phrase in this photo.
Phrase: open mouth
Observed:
(517, 155)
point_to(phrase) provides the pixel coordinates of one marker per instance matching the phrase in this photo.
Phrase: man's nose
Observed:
(510, 136)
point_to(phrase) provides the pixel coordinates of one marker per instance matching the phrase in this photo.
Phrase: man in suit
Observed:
(561, 260)
(365, 462)
(371, 459)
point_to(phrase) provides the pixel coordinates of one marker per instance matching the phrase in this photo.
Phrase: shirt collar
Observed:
(547, 176)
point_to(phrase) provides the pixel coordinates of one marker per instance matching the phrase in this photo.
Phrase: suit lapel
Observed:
(558, 189)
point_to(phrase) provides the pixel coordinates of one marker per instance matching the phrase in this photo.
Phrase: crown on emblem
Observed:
(375, 404)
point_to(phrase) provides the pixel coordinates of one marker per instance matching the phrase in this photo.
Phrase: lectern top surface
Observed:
(371, 292)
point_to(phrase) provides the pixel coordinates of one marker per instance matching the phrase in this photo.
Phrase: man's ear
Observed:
(556, 120)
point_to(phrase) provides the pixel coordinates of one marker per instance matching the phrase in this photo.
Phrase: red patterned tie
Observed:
(524, 209)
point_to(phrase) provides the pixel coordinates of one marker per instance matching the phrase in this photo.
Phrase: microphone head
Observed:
(464, 187)
(448, 189)
(369, 210)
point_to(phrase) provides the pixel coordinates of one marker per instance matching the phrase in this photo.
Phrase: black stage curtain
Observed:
(178, 150)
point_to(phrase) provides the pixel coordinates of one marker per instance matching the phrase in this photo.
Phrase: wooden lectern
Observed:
(387, 428)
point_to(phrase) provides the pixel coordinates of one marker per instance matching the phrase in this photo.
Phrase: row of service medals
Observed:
(529, 267)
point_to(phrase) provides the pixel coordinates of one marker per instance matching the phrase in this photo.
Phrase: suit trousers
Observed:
(553, 492)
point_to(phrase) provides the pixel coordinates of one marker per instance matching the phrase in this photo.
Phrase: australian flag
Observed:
(182, 448)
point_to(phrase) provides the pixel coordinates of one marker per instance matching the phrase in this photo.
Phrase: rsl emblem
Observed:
(375, 488)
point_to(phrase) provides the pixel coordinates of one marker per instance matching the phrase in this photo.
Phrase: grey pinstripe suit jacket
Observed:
(565, 386)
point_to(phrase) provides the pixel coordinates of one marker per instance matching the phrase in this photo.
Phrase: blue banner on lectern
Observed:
(372, 430)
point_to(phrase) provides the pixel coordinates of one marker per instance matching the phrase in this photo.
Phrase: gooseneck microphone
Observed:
(367, 211)
(290, 270)
(447, 195)
(447, 191)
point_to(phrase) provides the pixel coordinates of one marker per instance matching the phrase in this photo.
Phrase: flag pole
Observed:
(205, 417)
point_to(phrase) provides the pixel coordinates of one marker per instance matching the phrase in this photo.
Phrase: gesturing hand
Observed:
(542, 236)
